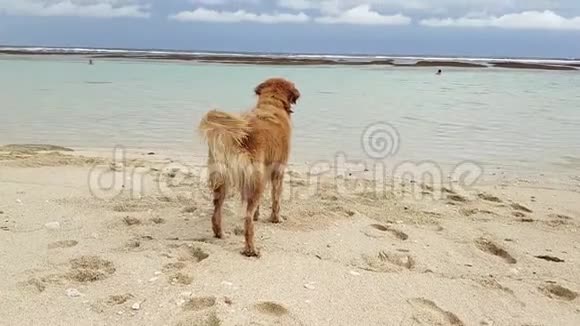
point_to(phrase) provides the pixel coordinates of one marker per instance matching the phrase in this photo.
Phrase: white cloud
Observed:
(81, 8)
(450, 7)
(525, 20)
(338, 6)
(214, 16)
(363, 15)
(223, 2)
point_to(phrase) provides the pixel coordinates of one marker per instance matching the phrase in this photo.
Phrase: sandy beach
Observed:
(80, 249)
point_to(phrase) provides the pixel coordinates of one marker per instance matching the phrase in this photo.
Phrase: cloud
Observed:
(363, 15)
(455, 8)
(540, 20)
(209, 2)
(223, 2)
(338, 6)
(214, 16)
(296, 4)
(80, 8)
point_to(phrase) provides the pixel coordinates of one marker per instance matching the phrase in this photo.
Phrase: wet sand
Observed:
(142, 253)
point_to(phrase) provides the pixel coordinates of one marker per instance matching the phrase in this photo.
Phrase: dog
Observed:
(246, 151)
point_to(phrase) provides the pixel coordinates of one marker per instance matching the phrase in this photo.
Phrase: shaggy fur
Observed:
(246, 151)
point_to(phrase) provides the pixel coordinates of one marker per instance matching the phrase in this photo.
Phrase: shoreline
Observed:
(251, 59)
(318, 169)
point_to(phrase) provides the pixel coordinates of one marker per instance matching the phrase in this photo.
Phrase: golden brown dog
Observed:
(246, 151)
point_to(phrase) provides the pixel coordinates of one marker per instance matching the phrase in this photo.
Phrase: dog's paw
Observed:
(275, 219)
(249, 252)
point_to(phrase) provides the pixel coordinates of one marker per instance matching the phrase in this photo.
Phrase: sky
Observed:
(499, 28)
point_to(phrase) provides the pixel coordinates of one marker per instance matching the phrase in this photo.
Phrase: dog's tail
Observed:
(225, 134)
(221, 129)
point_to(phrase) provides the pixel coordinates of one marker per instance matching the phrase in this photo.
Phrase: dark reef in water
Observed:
(250, 59)
(437, 63)
(523, 65)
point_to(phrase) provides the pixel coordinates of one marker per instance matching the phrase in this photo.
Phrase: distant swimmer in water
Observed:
(439, 72)
(91, 62)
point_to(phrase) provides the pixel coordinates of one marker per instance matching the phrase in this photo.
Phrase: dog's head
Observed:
(282, 89)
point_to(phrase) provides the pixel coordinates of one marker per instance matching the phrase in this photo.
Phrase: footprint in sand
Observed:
(555, 291)
(181, 279)
(90, 269)
(521, 208)
(210, 320)
(556, 223)
(192, 254)
(158, 220)
(271, 309)
(189, 209)
(490, 247)
(560, 216)
(383, 228)
(118, 299)
(385, 262)
(457, 198)
(473, 211)
(39, 284)
(131, 221)
(494, 284)
(63, 244)
(551, 259)
(526, 220)
(426, 312)
(174, 266)
(85, 269)
(238, 231)
(488, 197)
(36, 284)
(199, 303)
(137, 243)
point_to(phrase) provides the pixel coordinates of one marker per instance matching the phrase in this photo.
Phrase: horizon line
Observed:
(450, 56)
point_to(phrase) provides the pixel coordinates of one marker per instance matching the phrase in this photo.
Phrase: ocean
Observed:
(516, 120)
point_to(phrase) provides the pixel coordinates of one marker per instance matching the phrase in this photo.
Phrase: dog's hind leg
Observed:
(277, 178)
(219, 196)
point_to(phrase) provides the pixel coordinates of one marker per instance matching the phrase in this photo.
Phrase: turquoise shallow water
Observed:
(516, 119)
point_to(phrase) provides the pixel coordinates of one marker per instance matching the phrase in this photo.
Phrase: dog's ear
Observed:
(259, 88)
(294, 95)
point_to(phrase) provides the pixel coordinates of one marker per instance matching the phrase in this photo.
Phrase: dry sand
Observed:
(506, 253)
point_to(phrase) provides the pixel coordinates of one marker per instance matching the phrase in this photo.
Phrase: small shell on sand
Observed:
(73, 293)
(52, 225)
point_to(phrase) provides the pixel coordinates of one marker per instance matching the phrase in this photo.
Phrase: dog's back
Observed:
(244, 147)
(269, 137)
